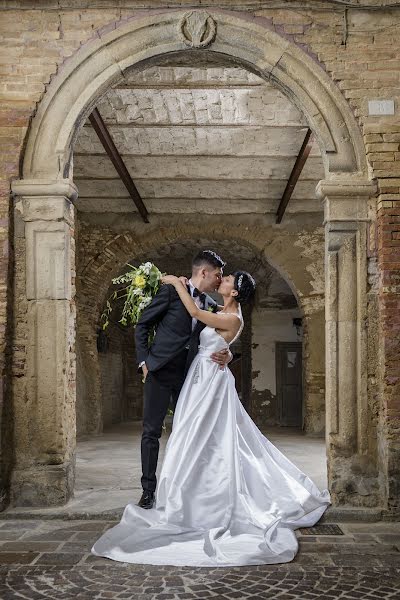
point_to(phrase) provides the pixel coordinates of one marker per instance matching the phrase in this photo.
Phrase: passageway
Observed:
(108, 466)
(203, 143)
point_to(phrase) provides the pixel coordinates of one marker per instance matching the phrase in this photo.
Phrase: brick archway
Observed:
(99, 270)
(254, 249)
(45, 475)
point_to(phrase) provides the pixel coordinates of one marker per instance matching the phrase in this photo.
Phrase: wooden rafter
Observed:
(108, 144)
(294, 175)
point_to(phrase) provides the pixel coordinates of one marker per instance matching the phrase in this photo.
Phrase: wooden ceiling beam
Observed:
(294, 175)
(108, 144)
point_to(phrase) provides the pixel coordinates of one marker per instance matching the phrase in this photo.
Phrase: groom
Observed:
(166, 362)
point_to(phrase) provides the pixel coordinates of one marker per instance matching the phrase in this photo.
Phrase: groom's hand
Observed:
(222, 358)
(144, 371)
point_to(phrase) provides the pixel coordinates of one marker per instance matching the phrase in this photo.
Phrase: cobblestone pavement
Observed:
(51, 559)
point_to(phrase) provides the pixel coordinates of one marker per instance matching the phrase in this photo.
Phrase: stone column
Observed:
(352, 477)
(45, 436)
(313, 308)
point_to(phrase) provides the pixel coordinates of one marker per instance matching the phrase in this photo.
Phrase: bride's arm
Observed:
(224, 322)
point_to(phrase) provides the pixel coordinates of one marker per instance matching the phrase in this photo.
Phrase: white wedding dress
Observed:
(226, 495)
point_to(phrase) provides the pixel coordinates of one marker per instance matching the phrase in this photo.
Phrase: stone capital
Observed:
(345, 200)
(42, 200)
(351, 187)
(45, 188)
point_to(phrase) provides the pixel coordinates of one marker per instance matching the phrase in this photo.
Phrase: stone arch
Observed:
(44, 469)
(252, 43)
(121, 247)
(265, 244)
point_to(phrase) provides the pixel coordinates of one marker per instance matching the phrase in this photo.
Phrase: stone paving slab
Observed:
(51, 559)
(285, 582)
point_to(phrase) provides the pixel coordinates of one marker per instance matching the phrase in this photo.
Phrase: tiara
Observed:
(251, 279)
(240, 280)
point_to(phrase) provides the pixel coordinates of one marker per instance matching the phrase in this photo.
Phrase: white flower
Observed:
(121, 279)
(146, 267)
(145, 302)
(138, 292)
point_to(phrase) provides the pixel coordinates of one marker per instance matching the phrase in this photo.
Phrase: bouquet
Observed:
(141, 285)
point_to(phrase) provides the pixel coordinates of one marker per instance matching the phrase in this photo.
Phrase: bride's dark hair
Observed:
(245, 286)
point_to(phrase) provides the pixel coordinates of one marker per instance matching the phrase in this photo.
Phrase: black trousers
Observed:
(161, 389)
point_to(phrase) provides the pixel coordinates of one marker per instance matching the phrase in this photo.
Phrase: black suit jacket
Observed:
(174, 329)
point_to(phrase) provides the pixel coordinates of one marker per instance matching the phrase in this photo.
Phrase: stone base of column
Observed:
(353, 480)
(47, 485)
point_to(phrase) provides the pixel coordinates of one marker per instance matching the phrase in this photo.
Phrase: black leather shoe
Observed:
(147, 499)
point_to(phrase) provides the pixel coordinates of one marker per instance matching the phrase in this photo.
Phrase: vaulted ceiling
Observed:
(205, 139)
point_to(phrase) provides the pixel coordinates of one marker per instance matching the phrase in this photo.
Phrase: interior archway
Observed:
(110, 391)
(275, 300)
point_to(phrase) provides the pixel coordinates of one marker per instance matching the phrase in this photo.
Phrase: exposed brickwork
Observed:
(103, 251)
(388, 224)
(121, 387)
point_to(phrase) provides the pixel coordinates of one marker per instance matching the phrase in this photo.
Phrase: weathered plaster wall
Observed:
(314, 368)
(268, 327)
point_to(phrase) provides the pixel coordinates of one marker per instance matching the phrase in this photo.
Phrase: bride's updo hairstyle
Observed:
(245, 286)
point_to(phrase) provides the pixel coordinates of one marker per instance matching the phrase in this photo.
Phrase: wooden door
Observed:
(289, 385)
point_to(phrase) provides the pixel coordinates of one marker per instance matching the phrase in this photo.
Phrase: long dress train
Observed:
(226, 495)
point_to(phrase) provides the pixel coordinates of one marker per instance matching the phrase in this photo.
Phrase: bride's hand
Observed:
(172, 279)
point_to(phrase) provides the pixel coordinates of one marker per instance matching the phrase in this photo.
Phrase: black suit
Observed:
(168, 360)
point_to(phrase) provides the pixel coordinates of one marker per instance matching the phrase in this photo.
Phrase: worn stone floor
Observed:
(45, 553)
(50, 559)
(108, 468)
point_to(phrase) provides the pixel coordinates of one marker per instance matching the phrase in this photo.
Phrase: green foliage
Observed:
(139, 286)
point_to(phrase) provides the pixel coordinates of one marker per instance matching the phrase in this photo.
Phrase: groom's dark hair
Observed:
(207, 257)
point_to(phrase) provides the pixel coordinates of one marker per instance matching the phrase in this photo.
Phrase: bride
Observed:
(226, 496)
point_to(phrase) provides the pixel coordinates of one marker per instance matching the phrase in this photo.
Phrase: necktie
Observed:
(202, 297)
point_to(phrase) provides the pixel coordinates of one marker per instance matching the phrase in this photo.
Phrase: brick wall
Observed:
(388, 226)
(119, 395)
(121, 387)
